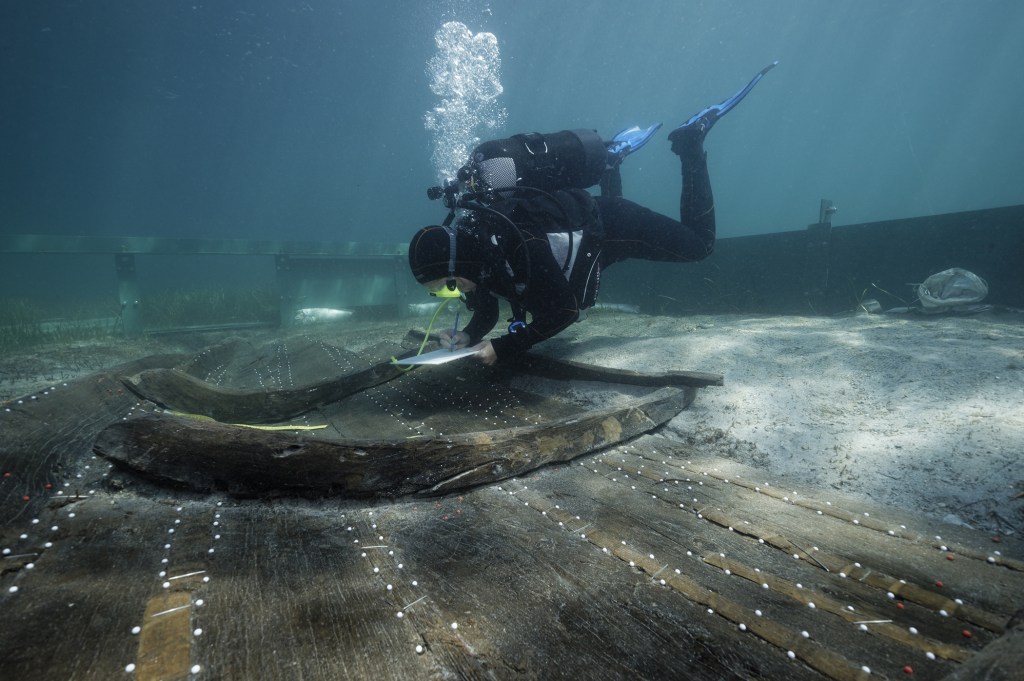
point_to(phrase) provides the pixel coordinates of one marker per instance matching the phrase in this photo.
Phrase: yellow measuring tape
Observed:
(200, 417)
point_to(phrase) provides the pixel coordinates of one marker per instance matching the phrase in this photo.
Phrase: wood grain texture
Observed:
(208, 456)
(46, 439)
(642, 559)
(571, 369)
(176, 389)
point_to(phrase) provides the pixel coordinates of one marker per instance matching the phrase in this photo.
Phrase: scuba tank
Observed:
(539, 179)
(570, 159)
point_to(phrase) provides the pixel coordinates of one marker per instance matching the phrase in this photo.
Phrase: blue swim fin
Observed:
(627, 141)
(702, 121)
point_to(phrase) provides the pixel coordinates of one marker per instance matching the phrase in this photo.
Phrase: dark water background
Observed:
(304, 119)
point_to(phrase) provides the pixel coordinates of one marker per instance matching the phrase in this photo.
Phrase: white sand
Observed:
(924, 414)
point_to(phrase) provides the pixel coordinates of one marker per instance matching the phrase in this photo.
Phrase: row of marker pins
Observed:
(792, 654)
(28, 401)
(862, 624)
(166, 581)
(31, 548)
(28, 536)
(378, 543)
(344, 364)
(284, 366)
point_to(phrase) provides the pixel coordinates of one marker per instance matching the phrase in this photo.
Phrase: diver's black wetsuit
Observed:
(629, 231)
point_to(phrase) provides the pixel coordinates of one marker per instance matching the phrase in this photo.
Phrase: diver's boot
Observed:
(688, 138)
(690, 135)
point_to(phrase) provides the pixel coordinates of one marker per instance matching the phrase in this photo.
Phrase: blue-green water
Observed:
(305, 119)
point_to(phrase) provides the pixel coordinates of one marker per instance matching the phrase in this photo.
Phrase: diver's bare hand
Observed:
(485, 353)
(459, 340)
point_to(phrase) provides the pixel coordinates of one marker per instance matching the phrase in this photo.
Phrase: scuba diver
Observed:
(522, 227)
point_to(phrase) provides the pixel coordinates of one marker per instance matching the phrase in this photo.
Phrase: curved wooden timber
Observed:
(209, 456)
(181, 391)
(175, 389)
(550, 367)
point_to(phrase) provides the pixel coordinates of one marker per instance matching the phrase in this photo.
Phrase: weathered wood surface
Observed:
(82, 587)
(639, 561)
(175, 389)
(210, 456)
(570, 369)
(46, 439)
(1001, 660)
(187, 390)
(601, 568)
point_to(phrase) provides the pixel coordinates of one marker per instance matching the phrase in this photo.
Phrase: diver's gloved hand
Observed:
(456, 342)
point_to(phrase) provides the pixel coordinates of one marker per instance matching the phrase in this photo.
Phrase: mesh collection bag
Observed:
(952, 290)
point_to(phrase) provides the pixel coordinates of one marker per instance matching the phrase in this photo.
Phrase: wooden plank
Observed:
(209, 455)
(73, 613)
(792, 519)
(568, 572)
(46, 438)
(656, 538)
(942, 635)
(531, 599)
(570, 369)
(301, 591)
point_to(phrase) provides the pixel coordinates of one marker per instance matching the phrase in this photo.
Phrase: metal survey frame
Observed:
(308, 273)
(819, 270)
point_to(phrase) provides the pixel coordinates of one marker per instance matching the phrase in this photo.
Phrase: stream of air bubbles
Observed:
(465, 74)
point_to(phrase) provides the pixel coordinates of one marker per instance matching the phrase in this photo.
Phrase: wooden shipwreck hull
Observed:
(208, 455)
(642, 558)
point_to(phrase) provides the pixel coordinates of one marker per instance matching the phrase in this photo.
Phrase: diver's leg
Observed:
(696, 201)
(632, 231)
(611, 182)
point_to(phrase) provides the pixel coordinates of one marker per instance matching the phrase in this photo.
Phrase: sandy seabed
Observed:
(925, 414)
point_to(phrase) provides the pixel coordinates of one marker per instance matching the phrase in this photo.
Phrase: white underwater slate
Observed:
(441, 356)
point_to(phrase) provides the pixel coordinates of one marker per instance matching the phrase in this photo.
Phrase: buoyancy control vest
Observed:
(535, 183)
(571, 223)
